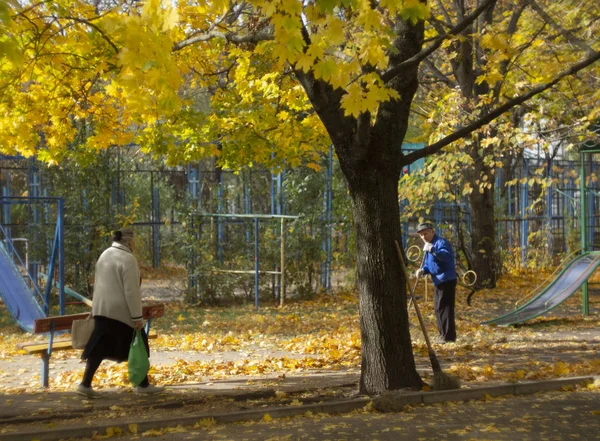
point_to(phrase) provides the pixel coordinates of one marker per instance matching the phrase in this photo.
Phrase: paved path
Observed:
(548, 416)
(551, 415)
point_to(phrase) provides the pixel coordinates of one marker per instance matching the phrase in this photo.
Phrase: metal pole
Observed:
(6, 207)
(549, 211)
(247, 211)
(282, 275)
(158, 216)
(583, 221)
(51, 270)
(511, 225)
(256, 261)
(220, 226)
(61, 257)
(583, 210)
(498, 203)
(329, 217)
(272, 190)
(524, 224)
(591, 209)
(192, 262)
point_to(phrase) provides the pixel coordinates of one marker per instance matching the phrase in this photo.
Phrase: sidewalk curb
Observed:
(400, 400)
(395, 401)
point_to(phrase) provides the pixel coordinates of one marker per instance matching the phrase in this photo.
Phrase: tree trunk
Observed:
(387, 358)
(370, 156)
(483, 234)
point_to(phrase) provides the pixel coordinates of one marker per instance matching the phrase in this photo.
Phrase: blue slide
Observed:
(560, 289)
(16, 295)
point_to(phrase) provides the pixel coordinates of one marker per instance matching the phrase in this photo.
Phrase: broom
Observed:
(441, 380)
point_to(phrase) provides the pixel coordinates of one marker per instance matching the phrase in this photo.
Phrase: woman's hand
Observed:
(139, 324)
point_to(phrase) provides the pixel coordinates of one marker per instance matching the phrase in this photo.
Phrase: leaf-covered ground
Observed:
(545, 416)
(210, 344)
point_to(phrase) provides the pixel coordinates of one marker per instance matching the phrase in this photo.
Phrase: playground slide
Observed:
(562, 287)
(72, 293)
(17, 296)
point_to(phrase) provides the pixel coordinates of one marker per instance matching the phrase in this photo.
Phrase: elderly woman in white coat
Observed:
(117, 310)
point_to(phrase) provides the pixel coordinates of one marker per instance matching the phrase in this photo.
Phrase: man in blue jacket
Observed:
(439, 262)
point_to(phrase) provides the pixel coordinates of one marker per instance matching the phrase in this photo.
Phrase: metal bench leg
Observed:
(45, 368)
(46, 359)
(148, 325)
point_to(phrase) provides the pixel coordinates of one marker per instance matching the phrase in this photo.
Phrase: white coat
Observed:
(117, 292)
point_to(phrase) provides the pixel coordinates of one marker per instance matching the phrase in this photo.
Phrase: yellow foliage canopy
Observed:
(179, 77)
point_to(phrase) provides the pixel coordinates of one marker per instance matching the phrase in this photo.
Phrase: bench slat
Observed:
(26, 344)
(60, 322)
(37, 347)
(64, 322)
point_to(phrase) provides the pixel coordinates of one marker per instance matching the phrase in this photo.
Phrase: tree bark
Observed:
(483, 223)
(387, 358)
(370, 156)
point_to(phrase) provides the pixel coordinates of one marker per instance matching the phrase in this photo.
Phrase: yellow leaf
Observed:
(495, 41)
(205, 422)
(459, 432)
(133, 428)
(352, 101)
(488, 371)
(324, 69)
(560, 368)
(113, 431)
(490, 428)
(335, 31)
(370, 18)
(304, 62)
(267, 418)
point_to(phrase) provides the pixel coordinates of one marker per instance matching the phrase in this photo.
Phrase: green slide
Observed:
(560, 289)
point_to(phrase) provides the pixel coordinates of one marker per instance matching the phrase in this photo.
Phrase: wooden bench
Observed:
(51, 325)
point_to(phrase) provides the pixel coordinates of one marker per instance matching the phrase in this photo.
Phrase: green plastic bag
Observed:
(138, 363)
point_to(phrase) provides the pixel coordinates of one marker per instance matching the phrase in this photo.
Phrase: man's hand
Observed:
(428, 247)
(139, 324)
(419, 273)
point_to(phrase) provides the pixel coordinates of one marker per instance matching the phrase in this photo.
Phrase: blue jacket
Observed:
(440, 261)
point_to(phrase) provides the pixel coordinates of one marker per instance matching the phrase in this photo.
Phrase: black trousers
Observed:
(110, 340)
(91, 366)
(443, 304)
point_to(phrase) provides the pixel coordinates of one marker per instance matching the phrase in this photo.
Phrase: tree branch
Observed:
(438, 73)
(575, 41)
(97, 29)
(231, 37)
(424, 53)
(444, 13)
(510, 30)
(461, 133)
